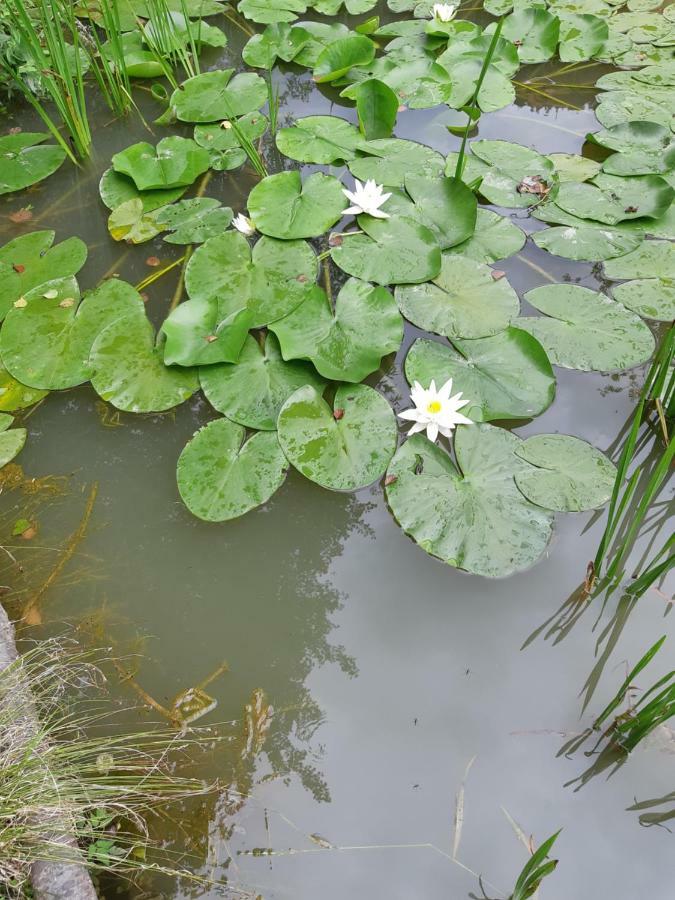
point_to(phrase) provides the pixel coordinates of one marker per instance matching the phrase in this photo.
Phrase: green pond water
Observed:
(387, 671)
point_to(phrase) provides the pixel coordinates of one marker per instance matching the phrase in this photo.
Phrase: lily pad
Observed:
(535, 33)
(463, 300)
(222, 140)
(582, 329)
(590, 242)
(571, 167)
(14, 395)
(641, 148)
(174, 162)
(652, 298)
(194, 221)
(516, 174)
(618, 107)
(582, 36)
(377, 109)
(46, 344)
(253, 391)
(507, 376)
(128, 222)
(348, 343)
(26, 159)
(343, 448)
(391, 159)
(11, 441)
(471, 516)
(31, 260)
(214, 96)
(320, 139)
(341, 55)
(283, 206)
(446, 205)
(129, 371)
(116, 189)
(495, 237)
(397, 250)
(611, 199)
(221, 477)
(652, 259)
(565, 474)
(278, 41)
(269, 11)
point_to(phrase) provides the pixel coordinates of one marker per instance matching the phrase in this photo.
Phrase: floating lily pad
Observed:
(139, 61)
(565, 474)
(446, 206)
(222, 140)
(333, 7)
(589, 241)
(283, 206)
(278, 41)
(611, 199)
(582, 36)
(180, 32)
(194, 221)
(116, 189)
(516, 176)
(11, 441)
(30, 260)
(415, 79)
(348, 343)
(343, 448)
(641, 148)
(129, 371)
(535, 33)
(214, 96)
(391, 159)
(390, 251)
(582, 329)
(128, 222)
(221, 477)
(46, 344)
(652, 259)
(341, 55)
(495, 237)
(571, 167)
(174, 162)
(26, 159)
(268, 11)
(618, 107)
(15, 395)
(463, 300)
(507, 376)
(377, 108)
(253, 391)
(652, 298)
(321, 35)
(320, 139)
(472, 517)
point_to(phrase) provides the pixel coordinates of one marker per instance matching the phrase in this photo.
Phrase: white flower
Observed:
(243, 224)
(444, 12)
(367, 198)
(435, 411)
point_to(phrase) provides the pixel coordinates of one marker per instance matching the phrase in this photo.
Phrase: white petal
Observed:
(417, 427)
(378, 214)
(444, 392)
(412, 415)
(352, 211)
(432, 431)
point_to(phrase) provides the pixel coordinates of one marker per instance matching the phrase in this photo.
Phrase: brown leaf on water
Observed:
(338, 414)
(67, 303)
(335, 240)
(15, 130)
(18, 268)
(497, 274)
(29, 533)
(390, 479)
(21, 303)
(21, 216)
(210, 338)
(145, 297)
(153, 262)
(321, 841)
(534, 184)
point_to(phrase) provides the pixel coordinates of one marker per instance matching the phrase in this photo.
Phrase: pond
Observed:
(389, 712)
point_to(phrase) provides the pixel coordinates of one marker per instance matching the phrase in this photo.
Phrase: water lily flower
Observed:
(367, 198)
(444, 12)
(435, 410)
(243, 224)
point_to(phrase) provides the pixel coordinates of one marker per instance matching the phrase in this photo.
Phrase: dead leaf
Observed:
(67, 303)
(390, 479)
(153, 262)
(21, 216)
(497, 274)
(18, 268)
(21, 303)
(145, 297)
(533, 184)
(338, 414)
(335, 240)
(15, 130)
(210, 338)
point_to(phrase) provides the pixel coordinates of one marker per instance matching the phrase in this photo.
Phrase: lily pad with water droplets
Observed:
(515, 173)
(270, 11)
(495, 237)
(342, 448)
(278, 41)
(174, 162)
(320, 139)
(582, 36)
(571, 167)
(463, 300)
(129, 371)
(46, 344)
(565, 474)
(471, 516)
(252, 391)
(535, 33)
(507, 376)
(341, 55)
(128, 222)
(582, 329)
(15, 395)
(397, 250)
(220, 476)
(390, 160)
(214, 96)
(25, 159)
(30, 260)
(222, 141)
(446, 206)
(652, 259)
(651, 298)
(116, 189)
(11, 440)
(347, 343)
(587, 241)
(611, 199)
(283, 206)
(641, 148)
(193, 221)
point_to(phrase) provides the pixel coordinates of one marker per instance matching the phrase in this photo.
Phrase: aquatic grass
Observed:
(249, 148)
(167, 42)
(109, 63)
(272, 102)
(538, 867)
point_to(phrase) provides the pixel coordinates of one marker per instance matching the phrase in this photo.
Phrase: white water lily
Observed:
(243, 224)
(435, 411)
(444, 12)
(366, 198)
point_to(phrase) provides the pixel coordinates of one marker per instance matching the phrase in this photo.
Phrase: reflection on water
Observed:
(362, 676)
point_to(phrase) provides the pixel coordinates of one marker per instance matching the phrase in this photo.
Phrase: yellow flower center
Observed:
(434, 407)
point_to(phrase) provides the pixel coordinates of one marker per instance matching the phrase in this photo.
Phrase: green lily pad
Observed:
(321, 35)
(582, 329)
(391, 159)
(129, 371)
(222, 140)
(221, 477)
(446, 205)
(25, 159)
(415, 79)
(343, 448)
(348, 343)
(253, 391)
(507, 376)
(535, 33)
(320, 139)
(180, 32)
(139, 62)
(174, 162)
(581, 37)
(641, 148)
(15, 395)
(512, 167)
(46, 344)
(283, 206)
(278, 41)
(463, 300)
(588, 242)
(571, 167)
(116, 189)
(611, 199)
(128, 222)
(270, 11)
(397, 250)
(652, 259)
(565, 474)
(333, 7)
(471, 516)
(214, 96)
(194, 221)
(341, 55)
(652, 298)
(618, 107)
(495, 237)
(11, 441)
(377, 109)
(31, 260)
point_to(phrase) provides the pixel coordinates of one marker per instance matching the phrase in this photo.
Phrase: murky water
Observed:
(387, 671)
